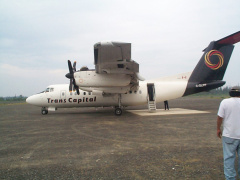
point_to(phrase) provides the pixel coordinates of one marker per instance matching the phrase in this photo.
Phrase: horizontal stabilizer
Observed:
(231, 39)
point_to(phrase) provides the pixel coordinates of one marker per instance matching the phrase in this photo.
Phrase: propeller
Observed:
(70, 75)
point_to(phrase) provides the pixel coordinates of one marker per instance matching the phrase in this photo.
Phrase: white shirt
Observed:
(229, 110)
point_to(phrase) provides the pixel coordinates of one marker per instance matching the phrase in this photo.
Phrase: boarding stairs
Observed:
(152, 106)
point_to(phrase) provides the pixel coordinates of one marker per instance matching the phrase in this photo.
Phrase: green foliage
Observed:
(222, 92)
(14, 98)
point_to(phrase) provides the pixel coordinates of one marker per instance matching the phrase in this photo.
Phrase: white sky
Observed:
(37, 37)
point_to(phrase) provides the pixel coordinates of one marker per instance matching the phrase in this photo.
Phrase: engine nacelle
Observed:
(93, 79)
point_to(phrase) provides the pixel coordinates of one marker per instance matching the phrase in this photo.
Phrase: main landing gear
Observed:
(44, 111)
(118, 109)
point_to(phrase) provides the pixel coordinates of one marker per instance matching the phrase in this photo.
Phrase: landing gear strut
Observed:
(118, 110)
(44, 110)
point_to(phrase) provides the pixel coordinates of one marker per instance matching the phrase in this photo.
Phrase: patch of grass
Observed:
(8, 103)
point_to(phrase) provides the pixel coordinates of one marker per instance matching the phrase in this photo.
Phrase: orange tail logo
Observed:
(209, 63)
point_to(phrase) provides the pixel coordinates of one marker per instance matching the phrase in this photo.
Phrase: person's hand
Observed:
(219, 133)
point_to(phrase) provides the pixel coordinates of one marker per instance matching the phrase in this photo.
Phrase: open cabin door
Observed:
(151, 97)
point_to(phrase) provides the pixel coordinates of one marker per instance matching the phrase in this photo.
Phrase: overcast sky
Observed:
(37, 37)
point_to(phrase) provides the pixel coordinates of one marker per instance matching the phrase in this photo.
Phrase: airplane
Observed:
(115, 81)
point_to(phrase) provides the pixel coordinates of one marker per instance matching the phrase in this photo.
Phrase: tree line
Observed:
(222, 91)
(13, 98)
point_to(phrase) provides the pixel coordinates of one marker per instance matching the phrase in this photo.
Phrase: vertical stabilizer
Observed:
(210, 70)
(212, 64)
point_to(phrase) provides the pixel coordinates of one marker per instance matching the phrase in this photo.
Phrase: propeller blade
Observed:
(70, 86)
(70, 67)
(76, 87)
(78, 91)
(74, 66)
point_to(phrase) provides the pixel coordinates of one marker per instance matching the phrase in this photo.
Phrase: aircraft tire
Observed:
(44, 112)
(118, 111)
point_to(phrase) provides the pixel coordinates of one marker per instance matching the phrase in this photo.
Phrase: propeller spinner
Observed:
(70, 75)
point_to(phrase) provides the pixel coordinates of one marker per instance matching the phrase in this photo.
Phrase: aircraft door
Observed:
(151, 92)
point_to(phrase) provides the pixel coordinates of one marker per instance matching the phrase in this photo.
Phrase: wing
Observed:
(114, 58)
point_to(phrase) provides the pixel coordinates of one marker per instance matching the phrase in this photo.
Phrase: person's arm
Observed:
(219, 123)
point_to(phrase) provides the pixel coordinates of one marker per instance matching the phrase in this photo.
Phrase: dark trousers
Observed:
(166, 105)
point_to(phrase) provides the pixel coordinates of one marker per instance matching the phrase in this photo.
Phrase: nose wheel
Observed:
(44, 111)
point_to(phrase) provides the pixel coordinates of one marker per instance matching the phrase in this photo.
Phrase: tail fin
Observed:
(209, 72)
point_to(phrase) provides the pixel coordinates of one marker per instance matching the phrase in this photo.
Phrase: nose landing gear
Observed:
(44, 111)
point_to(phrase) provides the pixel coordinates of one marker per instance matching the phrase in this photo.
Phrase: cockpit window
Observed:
(49, 90)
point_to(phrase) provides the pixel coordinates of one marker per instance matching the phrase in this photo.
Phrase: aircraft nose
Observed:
(29, 100)
(32, 100)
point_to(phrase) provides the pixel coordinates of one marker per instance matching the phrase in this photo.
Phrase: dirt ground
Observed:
(95, 144)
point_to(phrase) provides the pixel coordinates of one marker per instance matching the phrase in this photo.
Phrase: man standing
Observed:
(166, 105)
(229, 116)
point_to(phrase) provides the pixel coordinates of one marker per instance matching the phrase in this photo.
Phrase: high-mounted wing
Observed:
(114, 58)
(115, 72)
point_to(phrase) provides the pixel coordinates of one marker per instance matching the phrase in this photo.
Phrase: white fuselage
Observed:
(58, 96)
